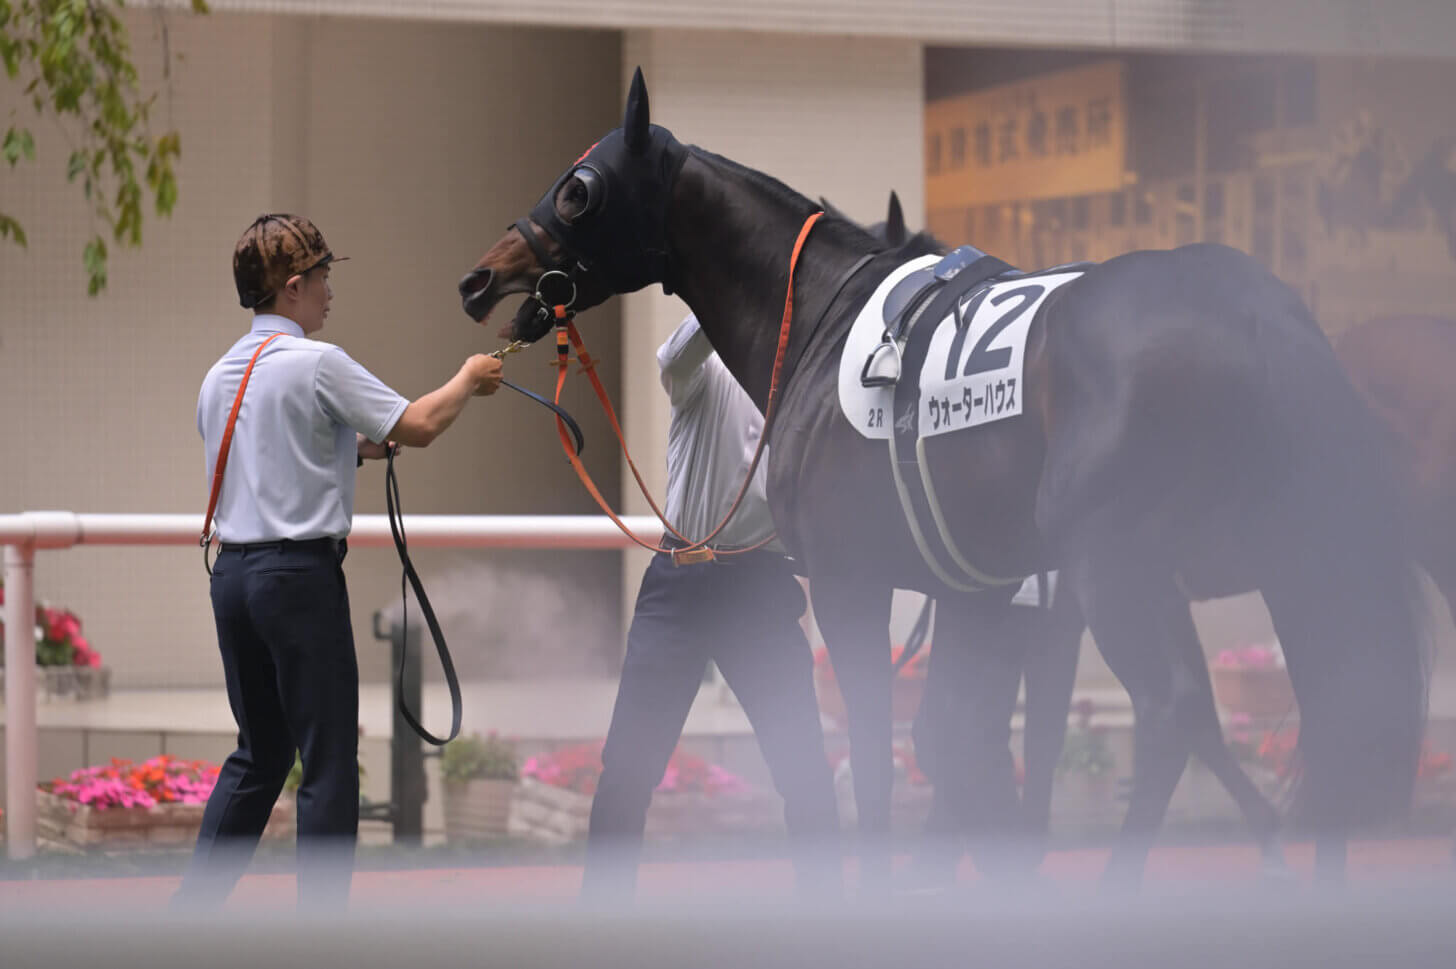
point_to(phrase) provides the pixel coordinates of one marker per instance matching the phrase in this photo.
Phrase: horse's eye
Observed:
(580, 195)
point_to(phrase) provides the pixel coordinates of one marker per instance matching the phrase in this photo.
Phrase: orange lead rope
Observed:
(695, 551)
(222, 453)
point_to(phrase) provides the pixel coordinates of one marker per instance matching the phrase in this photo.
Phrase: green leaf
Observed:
(9, 227)
(17, 144)
(76, 165)
(94, 258)
(166, 192)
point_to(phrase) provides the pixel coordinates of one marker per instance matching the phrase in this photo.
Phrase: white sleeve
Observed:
(354, 397)
(681, 360)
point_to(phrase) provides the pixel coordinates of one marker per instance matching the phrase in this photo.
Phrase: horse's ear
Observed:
(637, 119)
(895, 232)
(831, 210)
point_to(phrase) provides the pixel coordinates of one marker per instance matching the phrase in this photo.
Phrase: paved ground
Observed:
(1172, 869)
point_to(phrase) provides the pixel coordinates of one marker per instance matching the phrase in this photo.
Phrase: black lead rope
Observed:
(560, 412)
(396, 528)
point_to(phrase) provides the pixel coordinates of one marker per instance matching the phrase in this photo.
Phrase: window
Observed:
(932, 154)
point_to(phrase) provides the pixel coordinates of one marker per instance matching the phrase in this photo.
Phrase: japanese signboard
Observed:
(1051, 136)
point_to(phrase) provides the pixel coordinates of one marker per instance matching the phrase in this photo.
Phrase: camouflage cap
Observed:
(274, 249)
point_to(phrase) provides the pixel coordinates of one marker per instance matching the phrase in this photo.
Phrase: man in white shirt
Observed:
(739, 611)
(309, 415)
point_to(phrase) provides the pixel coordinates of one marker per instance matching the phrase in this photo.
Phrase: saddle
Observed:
(953, 287)
(927, 293)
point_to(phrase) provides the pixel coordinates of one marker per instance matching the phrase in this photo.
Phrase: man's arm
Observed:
(682, 357)
(426, 418)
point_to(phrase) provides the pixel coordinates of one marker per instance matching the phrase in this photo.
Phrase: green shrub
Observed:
(479, 758)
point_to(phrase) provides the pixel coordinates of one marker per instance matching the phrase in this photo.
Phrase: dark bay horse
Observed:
(1187, 433)
(1403, 367)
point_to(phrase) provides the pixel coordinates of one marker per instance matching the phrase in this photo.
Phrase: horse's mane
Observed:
(843, 230)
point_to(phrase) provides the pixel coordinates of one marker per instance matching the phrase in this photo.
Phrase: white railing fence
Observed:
(26, 533)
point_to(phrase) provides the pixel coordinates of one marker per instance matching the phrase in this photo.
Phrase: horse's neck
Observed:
(732, 238)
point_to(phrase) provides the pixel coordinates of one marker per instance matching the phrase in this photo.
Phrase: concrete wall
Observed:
(412, 146)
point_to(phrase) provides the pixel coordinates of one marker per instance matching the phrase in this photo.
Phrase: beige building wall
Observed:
(413, 146)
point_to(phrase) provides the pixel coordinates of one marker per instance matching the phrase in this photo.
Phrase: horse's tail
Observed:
(1344, 591)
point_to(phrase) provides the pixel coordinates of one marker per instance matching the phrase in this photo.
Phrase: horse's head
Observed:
(600, 229)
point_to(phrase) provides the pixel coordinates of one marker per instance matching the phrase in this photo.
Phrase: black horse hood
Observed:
(622, 234)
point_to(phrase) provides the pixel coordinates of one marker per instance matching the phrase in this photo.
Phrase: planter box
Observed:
(69, 682)
(83, 827)
(1263, 694)
(558, 816)
(477, 809)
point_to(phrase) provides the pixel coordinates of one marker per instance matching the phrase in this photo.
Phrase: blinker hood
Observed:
(623, 238)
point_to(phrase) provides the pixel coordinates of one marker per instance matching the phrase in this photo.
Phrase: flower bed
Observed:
(1252, 680)
(126, 805)
(553, 801)
(67, 665)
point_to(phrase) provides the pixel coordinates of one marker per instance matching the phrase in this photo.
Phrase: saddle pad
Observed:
(971, 376)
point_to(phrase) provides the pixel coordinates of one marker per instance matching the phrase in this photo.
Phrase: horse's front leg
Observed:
(854, 616)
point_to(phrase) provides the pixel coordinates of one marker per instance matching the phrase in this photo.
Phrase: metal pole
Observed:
(20, 728)
(407, 758)
(407, 788)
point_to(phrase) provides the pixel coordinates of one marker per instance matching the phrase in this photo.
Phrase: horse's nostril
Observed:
(476, 281)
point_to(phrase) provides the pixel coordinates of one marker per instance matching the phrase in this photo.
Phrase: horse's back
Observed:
(1184, 384)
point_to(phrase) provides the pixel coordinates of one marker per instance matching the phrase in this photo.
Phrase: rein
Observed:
(395, 508)
(691, 552)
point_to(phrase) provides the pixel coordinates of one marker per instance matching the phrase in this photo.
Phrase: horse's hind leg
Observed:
(1209, 746)
(854, 617)
(1136, 615)
(1051, 676)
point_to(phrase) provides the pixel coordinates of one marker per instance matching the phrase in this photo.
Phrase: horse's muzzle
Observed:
(475, 293)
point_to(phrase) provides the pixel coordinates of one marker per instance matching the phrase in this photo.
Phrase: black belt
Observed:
(337, 545)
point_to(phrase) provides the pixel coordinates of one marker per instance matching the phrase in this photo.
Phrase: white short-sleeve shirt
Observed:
(290, 471)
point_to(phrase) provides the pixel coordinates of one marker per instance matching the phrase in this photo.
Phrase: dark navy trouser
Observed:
(743, 614)
(282, 613)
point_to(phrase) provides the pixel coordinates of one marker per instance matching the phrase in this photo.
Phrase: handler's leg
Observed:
(664, 666)
(301, 605)
(760, 647)
(252, 776)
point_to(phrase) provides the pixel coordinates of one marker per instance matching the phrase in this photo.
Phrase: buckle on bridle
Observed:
(558, 307)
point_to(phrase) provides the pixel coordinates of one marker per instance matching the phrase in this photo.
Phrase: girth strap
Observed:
(913, 481)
